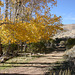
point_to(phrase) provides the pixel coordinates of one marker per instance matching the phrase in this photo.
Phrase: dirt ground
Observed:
(39, 66)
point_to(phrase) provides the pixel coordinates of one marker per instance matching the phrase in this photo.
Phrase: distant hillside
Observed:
(69, 26)
(70, 31)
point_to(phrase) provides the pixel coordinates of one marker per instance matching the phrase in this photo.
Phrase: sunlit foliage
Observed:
(41, 26)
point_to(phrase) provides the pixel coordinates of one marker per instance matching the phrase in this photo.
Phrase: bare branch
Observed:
(6, 23)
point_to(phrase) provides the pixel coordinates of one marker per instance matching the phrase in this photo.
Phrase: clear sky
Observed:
(65, 9)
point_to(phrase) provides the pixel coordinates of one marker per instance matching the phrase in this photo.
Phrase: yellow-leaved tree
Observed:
(29, 21)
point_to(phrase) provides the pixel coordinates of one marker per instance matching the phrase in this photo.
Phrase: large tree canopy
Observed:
(28, 20)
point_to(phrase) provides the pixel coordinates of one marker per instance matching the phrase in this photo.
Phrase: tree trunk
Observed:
(10, 13)
(21, 48)
(8, 49)
(25, 46)
(1, 52)
(6, 9)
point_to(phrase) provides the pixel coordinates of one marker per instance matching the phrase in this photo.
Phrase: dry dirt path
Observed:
(39, 66)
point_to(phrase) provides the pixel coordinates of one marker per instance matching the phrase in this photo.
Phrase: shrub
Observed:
(70, 53)
(70, 43)
(41, 47)
(38, 47)
(12, 48)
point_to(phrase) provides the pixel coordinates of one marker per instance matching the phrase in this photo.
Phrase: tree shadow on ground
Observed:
(32, 64)
(14, 74)
(57, 49)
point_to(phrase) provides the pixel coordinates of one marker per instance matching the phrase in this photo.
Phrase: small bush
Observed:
(70, 43)
(41, 47)
(38, 47)
(12, 48)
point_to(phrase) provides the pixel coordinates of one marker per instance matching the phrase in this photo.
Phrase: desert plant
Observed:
(70, 43)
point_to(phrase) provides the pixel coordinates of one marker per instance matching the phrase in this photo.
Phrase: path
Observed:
(37, 66)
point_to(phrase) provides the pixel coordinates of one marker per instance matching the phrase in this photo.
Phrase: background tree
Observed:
(1, 5)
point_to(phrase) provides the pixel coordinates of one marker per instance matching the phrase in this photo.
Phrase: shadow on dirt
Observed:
(14, 74)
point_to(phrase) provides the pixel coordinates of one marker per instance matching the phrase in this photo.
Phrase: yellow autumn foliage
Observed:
(34, 31)
(1, 4)
(40, 27)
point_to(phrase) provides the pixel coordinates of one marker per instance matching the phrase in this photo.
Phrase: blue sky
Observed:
(65, 9)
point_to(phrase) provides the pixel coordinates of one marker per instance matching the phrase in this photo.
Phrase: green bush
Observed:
(40, 47)
(70, 43)
(12, 48)
(36, 47)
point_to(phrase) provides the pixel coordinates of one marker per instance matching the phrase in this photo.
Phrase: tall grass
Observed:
(61, 72)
